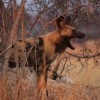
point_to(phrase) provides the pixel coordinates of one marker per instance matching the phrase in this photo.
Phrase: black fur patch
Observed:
(62, 44)
(40, 41)
(59, 20)
(35, 58)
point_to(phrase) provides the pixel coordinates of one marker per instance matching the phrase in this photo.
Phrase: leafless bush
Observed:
(16, 22)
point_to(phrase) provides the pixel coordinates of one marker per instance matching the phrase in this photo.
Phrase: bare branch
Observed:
(98, 54)
(13, 34)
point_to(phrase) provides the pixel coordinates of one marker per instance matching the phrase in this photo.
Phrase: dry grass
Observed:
(21, 85)
(13, 87)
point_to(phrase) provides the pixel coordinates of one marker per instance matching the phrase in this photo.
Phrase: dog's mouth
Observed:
(70, 45)
(67, 42)
(64, 43)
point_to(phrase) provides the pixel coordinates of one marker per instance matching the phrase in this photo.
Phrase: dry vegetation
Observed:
(81, 65)
(21, 84)
(23, 88)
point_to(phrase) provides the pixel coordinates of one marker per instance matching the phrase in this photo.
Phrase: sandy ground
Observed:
(85, 71)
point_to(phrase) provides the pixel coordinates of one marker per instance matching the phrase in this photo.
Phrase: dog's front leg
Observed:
(42, 79)
(42, 86)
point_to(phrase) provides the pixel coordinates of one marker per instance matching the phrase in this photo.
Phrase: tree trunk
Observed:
(13, 35)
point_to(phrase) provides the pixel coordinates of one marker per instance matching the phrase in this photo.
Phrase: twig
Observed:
(98, 54)
(67, 12)
(6, 49)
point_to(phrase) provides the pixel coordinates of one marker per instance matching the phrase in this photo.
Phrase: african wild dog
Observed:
(48, 45)
(18, 50)
(56, 42)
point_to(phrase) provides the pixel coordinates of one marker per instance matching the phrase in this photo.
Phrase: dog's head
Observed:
(67, 32)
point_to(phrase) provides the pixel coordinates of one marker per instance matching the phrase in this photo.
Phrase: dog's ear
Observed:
(67, 20)
(60, 21)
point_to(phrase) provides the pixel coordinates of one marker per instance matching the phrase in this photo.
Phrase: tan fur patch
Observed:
(67, 30)
(30, 40)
